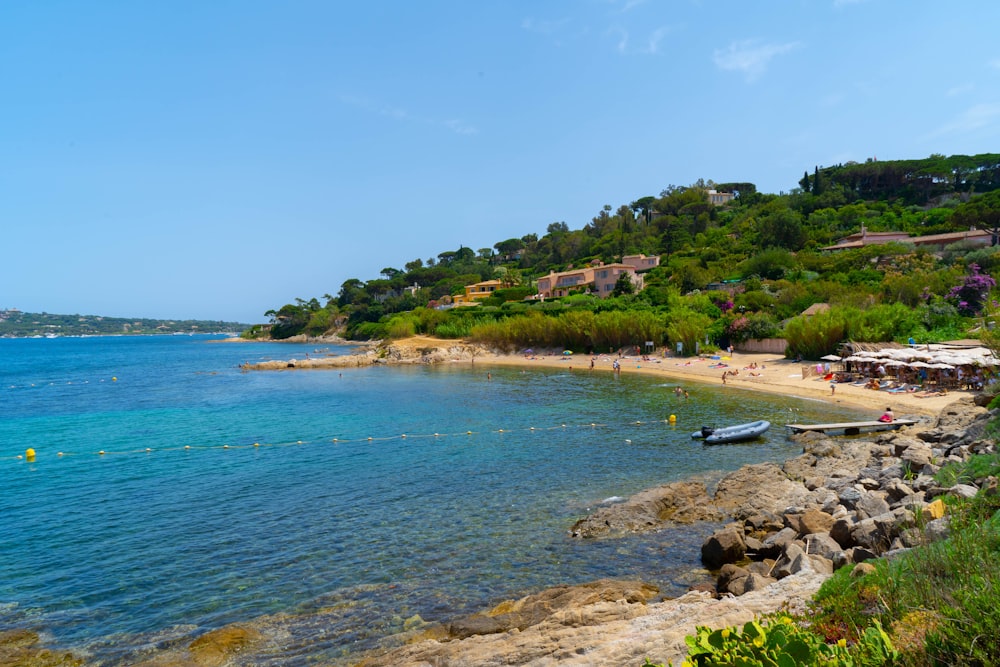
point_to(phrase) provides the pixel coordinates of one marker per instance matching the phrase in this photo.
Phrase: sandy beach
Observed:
(756, 372)
(745, 371)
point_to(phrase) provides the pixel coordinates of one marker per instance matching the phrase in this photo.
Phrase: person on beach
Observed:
(888, 417)
(833, 387)
(724, 374)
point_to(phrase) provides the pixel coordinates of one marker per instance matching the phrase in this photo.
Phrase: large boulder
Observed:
(650, 510)
(534, 609)
(821, 544)
(870, 504)
(20, 648)
(841, 530)
(757, 489)
(732, 579)
(218, 647)
(810, 521)
(724, 546)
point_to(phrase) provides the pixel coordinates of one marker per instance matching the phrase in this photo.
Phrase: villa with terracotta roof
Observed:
(476, 292)
(598, 278)
(866, 238)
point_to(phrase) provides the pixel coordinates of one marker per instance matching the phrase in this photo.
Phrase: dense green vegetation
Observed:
(14, 323)
(727, 273)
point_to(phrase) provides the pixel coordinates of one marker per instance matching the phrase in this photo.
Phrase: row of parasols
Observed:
(941, 367)
(944, 358)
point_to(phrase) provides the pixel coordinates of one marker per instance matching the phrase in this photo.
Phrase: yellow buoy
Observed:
(59, 453)
(101, 452)
(225, 446)
(187, 446)
(256, 444)
(114, 379)
(29, 454)
(672, 419)
(468, 433)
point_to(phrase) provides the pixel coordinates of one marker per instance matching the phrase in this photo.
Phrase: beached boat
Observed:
(736, 433)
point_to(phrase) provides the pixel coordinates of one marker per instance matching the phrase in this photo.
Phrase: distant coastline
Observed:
(17, 324)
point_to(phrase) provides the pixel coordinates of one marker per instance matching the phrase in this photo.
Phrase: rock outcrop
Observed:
(843, 503)
(651, 510)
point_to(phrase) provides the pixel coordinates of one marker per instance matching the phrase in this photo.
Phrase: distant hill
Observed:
(16, 324)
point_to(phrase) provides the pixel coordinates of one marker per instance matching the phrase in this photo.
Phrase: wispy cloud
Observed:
(974, 118)
(960, 89)
(622, 35)
(655, 37)
(649, 45)
(460, 127)
(543, 27)
(402, 115)
(995, 63)
(629, 5)
(373, 107)
(844, 3)
(750, 56)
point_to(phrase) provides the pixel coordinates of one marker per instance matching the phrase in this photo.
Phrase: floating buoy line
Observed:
(31, 454)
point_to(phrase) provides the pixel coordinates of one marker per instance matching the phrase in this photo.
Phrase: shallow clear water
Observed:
(325, 538)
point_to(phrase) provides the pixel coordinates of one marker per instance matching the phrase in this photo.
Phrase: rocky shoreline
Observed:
(842, 502)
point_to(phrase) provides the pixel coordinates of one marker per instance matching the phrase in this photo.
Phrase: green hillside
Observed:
(742, 269)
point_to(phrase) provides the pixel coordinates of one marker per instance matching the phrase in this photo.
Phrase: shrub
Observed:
(970, 297)
(778, 641)
(813, 337)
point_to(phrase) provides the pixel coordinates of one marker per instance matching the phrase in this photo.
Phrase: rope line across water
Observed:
(334, 440)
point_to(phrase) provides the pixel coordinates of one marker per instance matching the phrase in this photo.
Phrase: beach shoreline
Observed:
(765, 372)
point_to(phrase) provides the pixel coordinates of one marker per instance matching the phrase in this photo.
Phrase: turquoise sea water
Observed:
(325, 539)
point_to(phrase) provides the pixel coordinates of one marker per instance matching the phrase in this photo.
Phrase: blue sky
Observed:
(217, 158)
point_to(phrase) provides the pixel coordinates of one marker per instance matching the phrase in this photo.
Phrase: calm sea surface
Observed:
(336, 528)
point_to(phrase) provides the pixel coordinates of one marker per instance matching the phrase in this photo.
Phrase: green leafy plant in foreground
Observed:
(778, 641)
